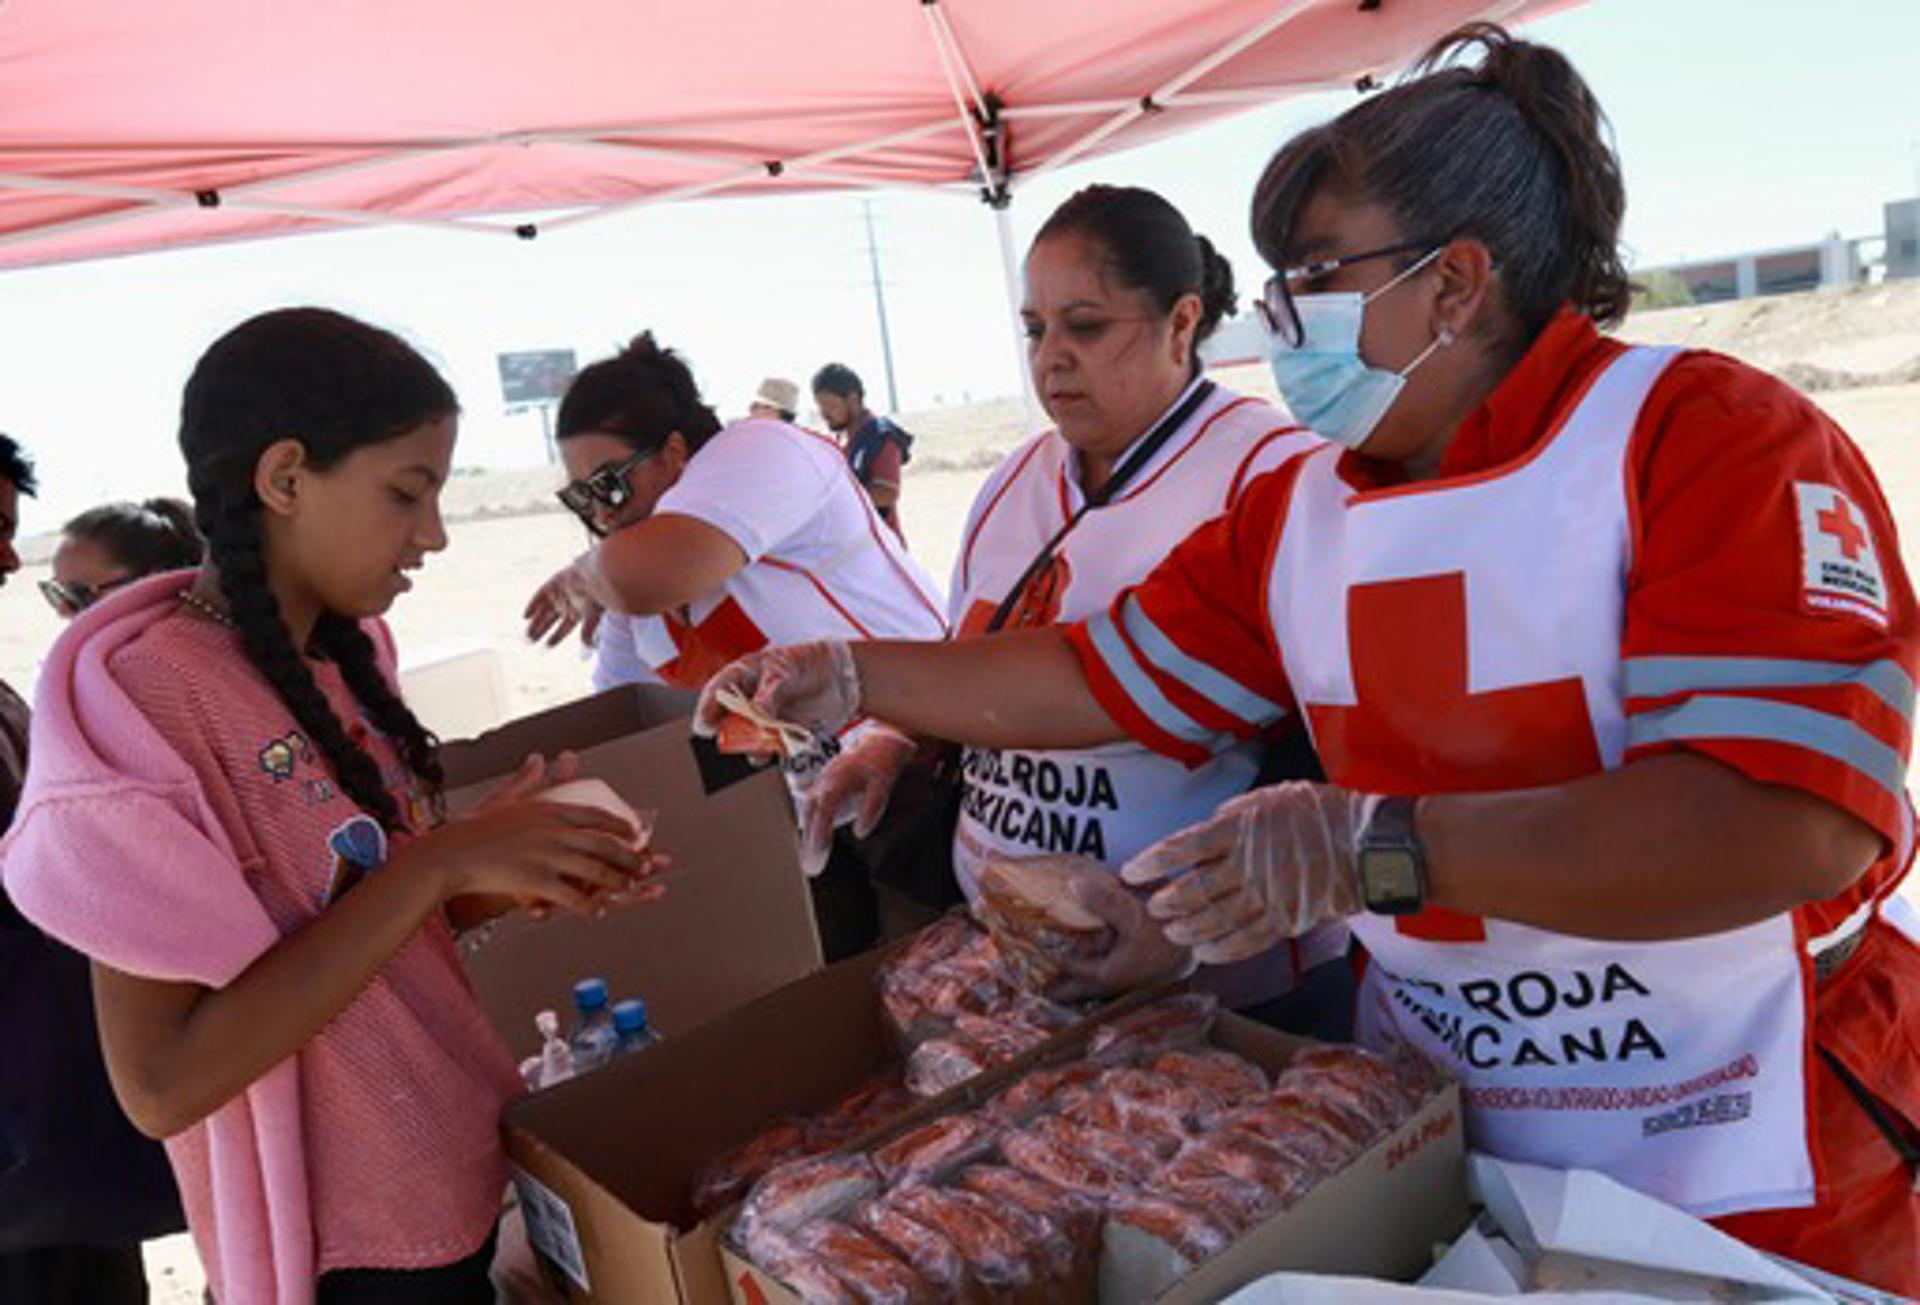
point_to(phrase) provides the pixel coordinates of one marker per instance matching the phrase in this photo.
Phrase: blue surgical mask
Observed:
(1327, 385)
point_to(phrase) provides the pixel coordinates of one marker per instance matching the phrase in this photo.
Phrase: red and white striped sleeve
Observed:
(1769, 620)
(1185, 661)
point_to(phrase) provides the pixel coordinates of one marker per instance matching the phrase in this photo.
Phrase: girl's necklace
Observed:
(205, 608)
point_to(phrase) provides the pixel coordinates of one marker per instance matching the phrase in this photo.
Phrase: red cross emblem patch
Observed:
(1840, 569)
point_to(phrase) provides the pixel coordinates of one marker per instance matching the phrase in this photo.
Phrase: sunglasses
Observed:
(606, 487)
(73, 599)
(1275, 304)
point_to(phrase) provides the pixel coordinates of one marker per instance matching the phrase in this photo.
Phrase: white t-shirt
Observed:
(820, 563)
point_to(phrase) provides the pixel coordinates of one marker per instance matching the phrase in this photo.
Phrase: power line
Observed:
(880, 305)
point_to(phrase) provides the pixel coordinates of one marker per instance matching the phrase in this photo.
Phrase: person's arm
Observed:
(883, 477)
(176, 1052)
(656, 565)
(1674, 846)
(1019, 689)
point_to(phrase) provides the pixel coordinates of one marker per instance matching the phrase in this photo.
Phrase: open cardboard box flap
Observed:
(737, 919)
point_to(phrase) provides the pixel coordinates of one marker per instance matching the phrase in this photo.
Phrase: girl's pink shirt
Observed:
(400, 1093)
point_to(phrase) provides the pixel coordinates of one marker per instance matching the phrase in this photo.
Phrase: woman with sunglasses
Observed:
(714, 541)
(115, 544)
(1608, 653)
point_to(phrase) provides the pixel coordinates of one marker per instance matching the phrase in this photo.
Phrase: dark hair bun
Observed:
(1218, 300)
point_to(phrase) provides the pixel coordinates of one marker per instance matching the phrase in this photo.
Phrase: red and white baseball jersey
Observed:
(1626, 552)
(1108, 803)
(820, 562)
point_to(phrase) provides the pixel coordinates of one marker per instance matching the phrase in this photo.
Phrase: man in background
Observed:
(876, 448)
(777, 399)
(79, 1188)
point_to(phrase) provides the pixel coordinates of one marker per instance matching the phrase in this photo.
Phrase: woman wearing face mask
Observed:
(1119, 295)
(1616, 706)
(715, 541)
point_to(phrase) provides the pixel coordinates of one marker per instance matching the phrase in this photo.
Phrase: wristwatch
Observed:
(1391, 862)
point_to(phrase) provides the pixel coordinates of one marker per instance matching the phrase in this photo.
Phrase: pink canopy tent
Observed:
(127, 125)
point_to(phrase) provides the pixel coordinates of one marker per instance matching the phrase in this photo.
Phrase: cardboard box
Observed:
(1380, 1217)
(737, 918)
(605, 1164)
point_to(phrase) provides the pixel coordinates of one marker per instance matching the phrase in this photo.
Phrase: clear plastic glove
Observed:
(565, 602)
(854, 787)
(1269, 865)
(813, 685)
(1141, 953)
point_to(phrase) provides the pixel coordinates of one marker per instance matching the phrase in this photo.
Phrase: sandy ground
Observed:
(1858, 352)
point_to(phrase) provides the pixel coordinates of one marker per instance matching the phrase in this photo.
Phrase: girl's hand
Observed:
(562, 603)
(539, 853)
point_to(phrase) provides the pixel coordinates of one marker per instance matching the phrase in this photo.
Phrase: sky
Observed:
(1742, 124)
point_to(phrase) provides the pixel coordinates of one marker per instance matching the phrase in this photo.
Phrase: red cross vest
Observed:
(1481, 650)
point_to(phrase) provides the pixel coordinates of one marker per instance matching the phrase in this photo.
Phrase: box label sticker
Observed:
(550, 1227)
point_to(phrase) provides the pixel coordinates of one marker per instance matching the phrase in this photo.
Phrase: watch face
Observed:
(1391, 878)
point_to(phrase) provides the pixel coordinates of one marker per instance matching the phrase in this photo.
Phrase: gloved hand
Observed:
(1269, 865)
(566, 600)
(1141, 953)
(854, 787)
(812, 685)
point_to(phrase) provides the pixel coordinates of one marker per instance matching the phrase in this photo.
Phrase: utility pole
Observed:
(880, 305)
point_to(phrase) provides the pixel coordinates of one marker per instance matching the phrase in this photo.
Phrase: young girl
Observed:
(115, 544)
(232, 812)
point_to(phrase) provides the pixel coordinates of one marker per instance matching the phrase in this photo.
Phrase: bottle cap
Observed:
(590, 994)
(630, 1016)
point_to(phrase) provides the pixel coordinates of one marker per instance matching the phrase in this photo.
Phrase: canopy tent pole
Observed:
(986, 130)
(1010, 270)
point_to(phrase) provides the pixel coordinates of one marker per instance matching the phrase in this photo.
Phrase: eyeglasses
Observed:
(606, 488)
(1275, 304)
(73, 599)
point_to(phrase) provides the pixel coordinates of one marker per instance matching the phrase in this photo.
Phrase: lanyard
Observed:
(1142, 454)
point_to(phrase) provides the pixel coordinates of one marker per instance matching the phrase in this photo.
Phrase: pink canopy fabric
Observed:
(128, 125)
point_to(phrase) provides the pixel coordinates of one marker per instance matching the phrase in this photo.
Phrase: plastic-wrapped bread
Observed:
(727, 1179)
(936, 942)
(1193, 1234)
(802, 1191)
(807, 1275)
(1234, 1203)
(1172, 1024)
(938, 1259)
(1340, 1116)
(862, 1109)
(1240, 1155)
(1002, 1037)
(1163, 1130)
(1116, 1151)
(1073, 1215)
(1034, 915)
(995, 1256)
(747, 729)
(1360, 1071)
(1051, 1162)
(1231, 1077)
(1046, 1242)
(1195, 1104)
(941, 1064)
(1034, 1091)
(934, 1150)
(874, 1273)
